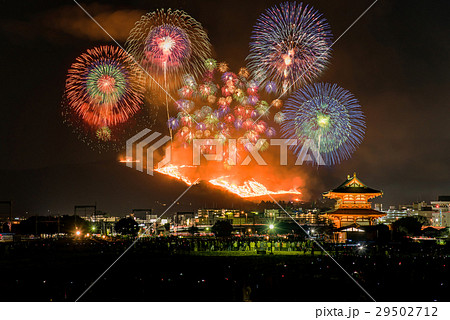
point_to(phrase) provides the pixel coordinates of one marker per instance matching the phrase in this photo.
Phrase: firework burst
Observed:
(232, 114)
(290, 46)
(103, 87)
(169, 43)
(103, 134)
(328, 116)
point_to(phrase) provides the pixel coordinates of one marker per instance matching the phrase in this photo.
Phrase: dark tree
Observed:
(222, 228)
(38, 225)
(70, 224)
(327, 228)
(193, 230)
(410, 226)
(127, 226)
(431, 232)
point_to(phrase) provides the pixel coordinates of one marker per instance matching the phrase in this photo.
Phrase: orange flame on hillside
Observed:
(127, 160)
(249, 188)
(272, 181)
(174, 172)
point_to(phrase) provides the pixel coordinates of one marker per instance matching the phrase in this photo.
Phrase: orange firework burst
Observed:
(104, 87)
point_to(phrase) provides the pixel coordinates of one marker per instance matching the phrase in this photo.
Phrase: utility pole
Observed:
(10, 216)
(9, 202)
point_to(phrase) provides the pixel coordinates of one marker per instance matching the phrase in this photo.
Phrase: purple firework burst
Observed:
(290, 45)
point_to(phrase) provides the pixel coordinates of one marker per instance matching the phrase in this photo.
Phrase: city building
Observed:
(144, 217)
(210, 216)
(438, 212)
(184, 218)
(254, 221)
(393, 215)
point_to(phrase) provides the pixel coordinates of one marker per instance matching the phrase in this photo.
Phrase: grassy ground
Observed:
(62, 271)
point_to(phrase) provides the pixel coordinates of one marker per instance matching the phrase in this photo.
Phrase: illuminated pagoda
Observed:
(353, 208)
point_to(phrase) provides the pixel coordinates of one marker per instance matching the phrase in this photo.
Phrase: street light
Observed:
(78, 232)
(271, 227)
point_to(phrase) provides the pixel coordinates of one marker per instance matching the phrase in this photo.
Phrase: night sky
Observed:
(395, 60)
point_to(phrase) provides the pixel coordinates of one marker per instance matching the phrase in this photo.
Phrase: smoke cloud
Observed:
(72, 20)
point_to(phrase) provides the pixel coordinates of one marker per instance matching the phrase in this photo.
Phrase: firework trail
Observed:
(103, 87)
(166, 44)
(290, 46)
(327, 115)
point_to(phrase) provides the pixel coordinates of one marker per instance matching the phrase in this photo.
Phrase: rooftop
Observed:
(354, 185)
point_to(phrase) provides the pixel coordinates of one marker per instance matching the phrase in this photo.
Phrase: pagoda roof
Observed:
(357, 212)
(354, 185)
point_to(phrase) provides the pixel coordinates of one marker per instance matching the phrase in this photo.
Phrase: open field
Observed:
(50, 271)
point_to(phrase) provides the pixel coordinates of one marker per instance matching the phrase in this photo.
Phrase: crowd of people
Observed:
(192, 245)
(201, 244)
